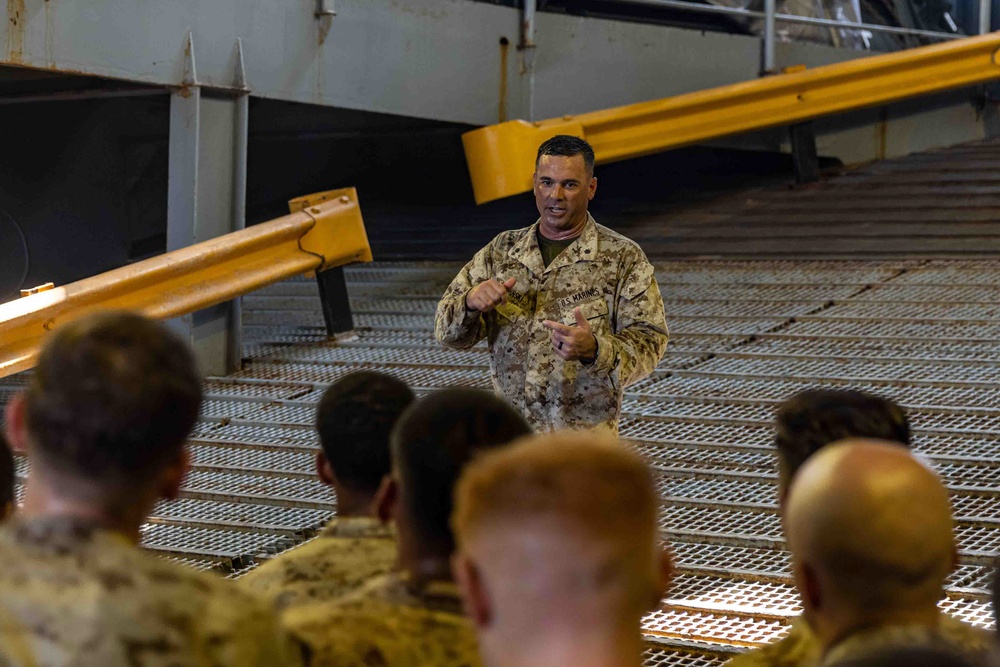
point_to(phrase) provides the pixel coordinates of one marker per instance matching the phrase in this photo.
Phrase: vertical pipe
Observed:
(325, 8)
(527, 50)
(770, 9)
(985, 10)
(241, 128)
(182, 182)
(528, 24)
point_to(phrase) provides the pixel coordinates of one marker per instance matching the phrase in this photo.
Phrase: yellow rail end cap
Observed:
(501, 158)
(339, 235)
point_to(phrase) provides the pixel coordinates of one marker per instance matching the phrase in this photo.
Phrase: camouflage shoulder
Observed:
(506, 240)
(619, 239)
(640, 277)
(228, 598)
(965, 635)
(266, 574)
(796, 649)
(370, 631)
(751, 658)
(248, 624)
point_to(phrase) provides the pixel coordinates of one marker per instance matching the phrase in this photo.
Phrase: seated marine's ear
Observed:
(387, 499)
(475, 597)
(173, 475)
(16, 429)
(665, 578)
(324, 470)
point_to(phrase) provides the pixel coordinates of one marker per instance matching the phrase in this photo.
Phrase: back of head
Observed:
(7, 500)
(563, 525)
(871, 527)
(111, 401)
(354, 419)
(814, 418)
(432, 443)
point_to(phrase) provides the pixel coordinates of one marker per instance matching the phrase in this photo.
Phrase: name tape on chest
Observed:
(579, 297)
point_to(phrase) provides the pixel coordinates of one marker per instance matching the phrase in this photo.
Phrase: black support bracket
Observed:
(805, 160)
(336, 303)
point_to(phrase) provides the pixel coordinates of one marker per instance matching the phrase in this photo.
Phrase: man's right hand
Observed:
(486, 296)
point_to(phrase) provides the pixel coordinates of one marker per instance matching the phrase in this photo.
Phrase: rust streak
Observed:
(502, 112)
(16, 19)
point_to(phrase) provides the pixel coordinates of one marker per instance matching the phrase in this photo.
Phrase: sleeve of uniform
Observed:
(454, 325)
(641, 338)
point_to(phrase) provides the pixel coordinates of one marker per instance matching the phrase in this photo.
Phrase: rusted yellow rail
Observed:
(501, 157)
(325, 230)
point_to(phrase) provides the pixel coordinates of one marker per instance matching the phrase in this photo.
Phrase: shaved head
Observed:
(559, 530)
(870, 531)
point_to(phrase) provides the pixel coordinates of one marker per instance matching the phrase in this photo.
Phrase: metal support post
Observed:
(770, 10)
(336, 302)
(526, 51)
(985, 16)
(805, 160)
(528, 14)
(206, 194)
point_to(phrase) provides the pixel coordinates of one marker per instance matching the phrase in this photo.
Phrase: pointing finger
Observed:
(556, 326)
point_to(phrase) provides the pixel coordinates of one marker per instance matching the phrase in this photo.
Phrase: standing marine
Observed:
(570, 309)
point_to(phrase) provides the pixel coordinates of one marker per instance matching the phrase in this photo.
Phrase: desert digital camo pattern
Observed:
(347, 553)
(389, 622)
(75, 594)
(800, 648)
(604, 274)
(950, 633)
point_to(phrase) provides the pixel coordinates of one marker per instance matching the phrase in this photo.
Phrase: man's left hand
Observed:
(573, 343)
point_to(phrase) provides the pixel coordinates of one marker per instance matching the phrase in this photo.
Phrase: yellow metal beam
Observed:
(501, 157)
(324, 232)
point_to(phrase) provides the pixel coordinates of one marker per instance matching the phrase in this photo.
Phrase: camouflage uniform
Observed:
(951, 633)
(800, 648)
(604, 274)
(349, 552)
(390, 622)
(75, 594)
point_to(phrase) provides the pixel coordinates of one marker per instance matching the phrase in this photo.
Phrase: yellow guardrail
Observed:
(324, 231)
(501, 157)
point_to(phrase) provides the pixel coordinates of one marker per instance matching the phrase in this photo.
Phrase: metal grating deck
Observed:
(744, 336)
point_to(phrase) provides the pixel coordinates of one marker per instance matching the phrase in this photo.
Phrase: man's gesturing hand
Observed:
(486, 296)
(573, 343)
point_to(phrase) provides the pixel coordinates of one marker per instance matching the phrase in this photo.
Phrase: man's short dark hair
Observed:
(6, 473)
(354, 419)
(433, 442)
(814, 418)
(112, 400)
(564, 145)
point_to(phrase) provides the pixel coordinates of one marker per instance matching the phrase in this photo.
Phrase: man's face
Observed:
(563, 188)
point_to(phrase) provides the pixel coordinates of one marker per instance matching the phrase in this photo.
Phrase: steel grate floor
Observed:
(744, 336)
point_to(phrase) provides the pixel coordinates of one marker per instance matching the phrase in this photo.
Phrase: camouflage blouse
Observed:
(604, 274)
(76, 594)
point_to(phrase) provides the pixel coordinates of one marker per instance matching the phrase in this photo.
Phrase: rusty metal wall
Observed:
(745, 335)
